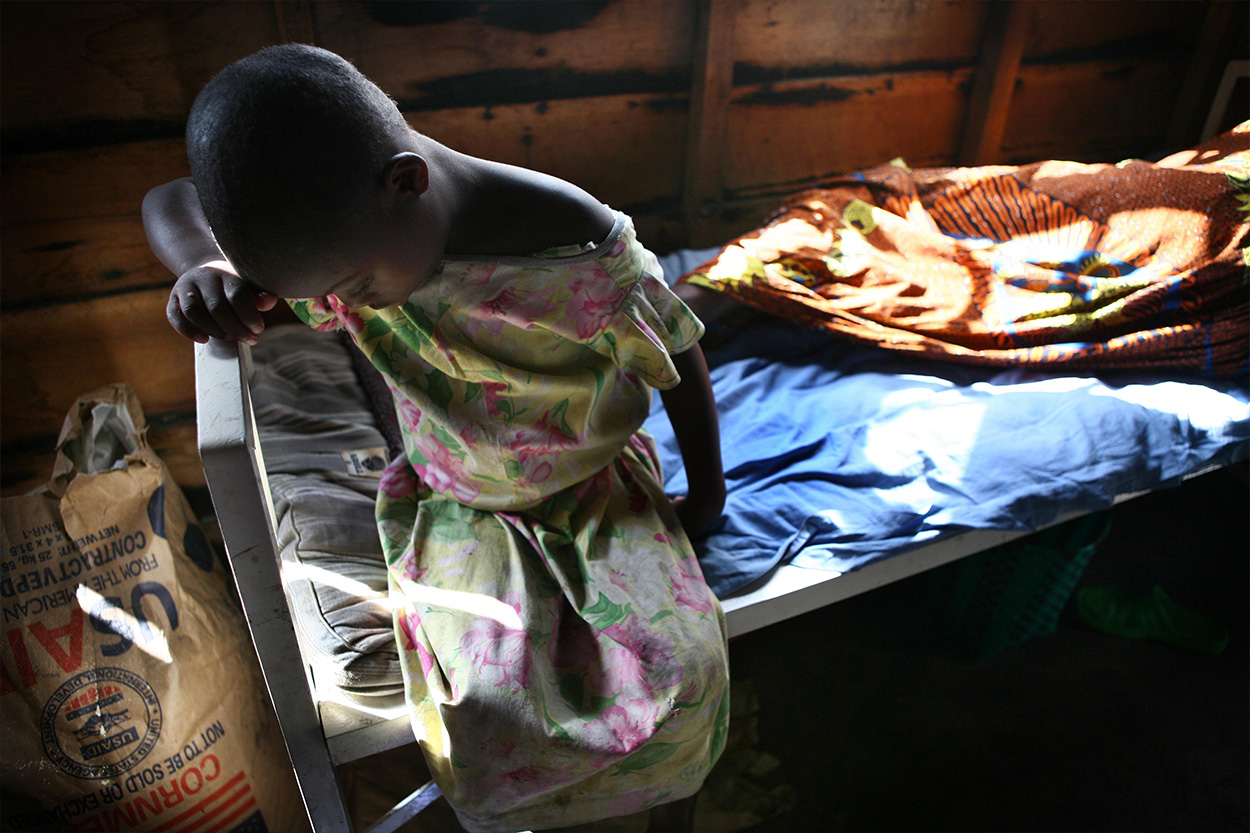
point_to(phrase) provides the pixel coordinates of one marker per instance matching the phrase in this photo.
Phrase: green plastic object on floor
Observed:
(1152, 615)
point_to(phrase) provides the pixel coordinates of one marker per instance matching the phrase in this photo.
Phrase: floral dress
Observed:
(564, 660)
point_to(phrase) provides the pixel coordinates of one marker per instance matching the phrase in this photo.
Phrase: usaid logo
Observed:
(100, 723)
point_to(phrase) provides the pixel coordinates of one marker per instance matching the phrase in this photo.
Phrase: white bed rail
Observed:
(234, 469)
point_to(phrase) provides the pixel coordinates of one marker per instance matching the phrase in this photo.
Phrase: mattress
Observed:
(836, 456)
(324, 453)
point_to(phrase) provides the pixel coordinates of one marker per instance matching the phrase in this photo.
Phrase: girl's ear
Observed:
(406, 173)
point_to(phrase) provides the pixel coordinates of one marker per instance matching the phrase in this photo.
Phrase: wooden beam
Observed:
(1006, 29)
(712, 82)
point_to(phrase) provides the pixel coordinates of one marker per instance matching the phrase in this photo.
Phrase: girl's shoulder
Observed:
(520, 212)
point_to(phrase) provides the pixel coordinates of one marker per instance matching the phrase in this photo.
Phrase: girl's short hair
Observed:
(282, 147)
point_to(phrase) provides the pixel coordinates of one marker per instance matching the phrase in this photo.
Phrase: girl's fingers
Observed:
(207, 313)
(208, 301)
(265, 301)
(173, 312)
(244, 307)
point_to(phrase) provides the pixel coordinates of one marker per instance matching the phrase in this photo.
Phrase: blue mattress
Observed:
(837, 455)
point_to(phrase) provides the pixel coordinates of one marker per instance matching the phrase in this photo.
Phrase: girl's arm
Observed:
(691, 408)
(209, 298)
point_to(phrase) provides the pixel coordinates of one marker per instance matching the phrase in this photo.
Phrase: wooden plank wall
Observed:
(695, 116)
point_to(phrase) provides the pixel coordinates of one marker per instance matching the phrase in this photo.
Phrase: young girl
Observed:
(564, 660)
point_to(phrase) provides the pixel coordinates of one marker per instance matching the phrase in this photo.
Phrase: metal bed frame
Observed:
(323, 727)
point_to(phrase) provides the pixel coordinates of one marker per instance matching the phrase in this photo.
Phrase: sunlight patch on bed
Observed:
(475, 604)
(893, 444)
(298, 570)
(1200, 406)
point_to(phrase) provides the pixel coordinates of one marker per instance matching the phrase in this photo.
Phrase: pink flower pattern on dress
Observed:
(544, 436)
(409, 415)
(443, 471)
(477, 274)
(593, 304)
(523, 774)
(397, 481)
(324, 317)
(496, 394)
(406, 567)
(653, 650)
(618, 248)
(689, 588)
(538, 448)
(623, 674)
(520, 308)
(410, 624)
(536, 466)
(623, 728)
(475, 323)
(499, 655)
(498, 306)
(351, 321)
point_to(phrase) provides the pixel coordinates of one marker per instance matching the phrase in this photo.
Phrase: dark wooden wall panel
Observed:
(51, 352)
(85, 73)
(789, 38)
(1114, 29)
(71, 222)
(94, 97)
(789, 134)
(510, 53)
(1130, 101)
(619, 148)
(99, 181)
(60, 261)
(54, 353)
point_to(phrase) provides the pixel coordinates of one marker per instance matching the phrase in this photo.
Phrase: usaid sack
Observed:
(130, 698)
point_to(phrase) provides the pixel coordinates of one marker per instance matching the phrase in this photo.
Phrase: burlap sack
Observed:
(130, 697)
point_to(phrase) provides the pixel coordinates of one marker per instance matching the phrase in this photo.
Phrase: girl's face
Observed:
(397, 256)
(393, 252)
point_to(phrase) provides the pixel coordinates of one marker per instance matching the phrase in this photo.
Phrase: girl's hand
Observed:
(208, 299)
(211, 300)
(700, 511)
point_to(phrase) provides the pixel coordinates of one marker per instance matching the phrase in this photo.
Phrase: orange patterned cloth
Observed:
(1057, 264)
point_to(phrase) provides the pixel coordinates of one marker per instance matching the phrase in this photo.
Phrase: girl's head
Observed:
(292, 151)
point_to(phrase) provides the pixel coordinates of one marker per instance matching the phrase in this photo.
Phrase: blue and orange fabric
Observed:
(1057, 264)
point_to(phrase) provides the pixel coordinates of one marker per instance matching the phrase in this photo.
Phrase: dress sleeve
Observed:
(645, 325)
(318, 313)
